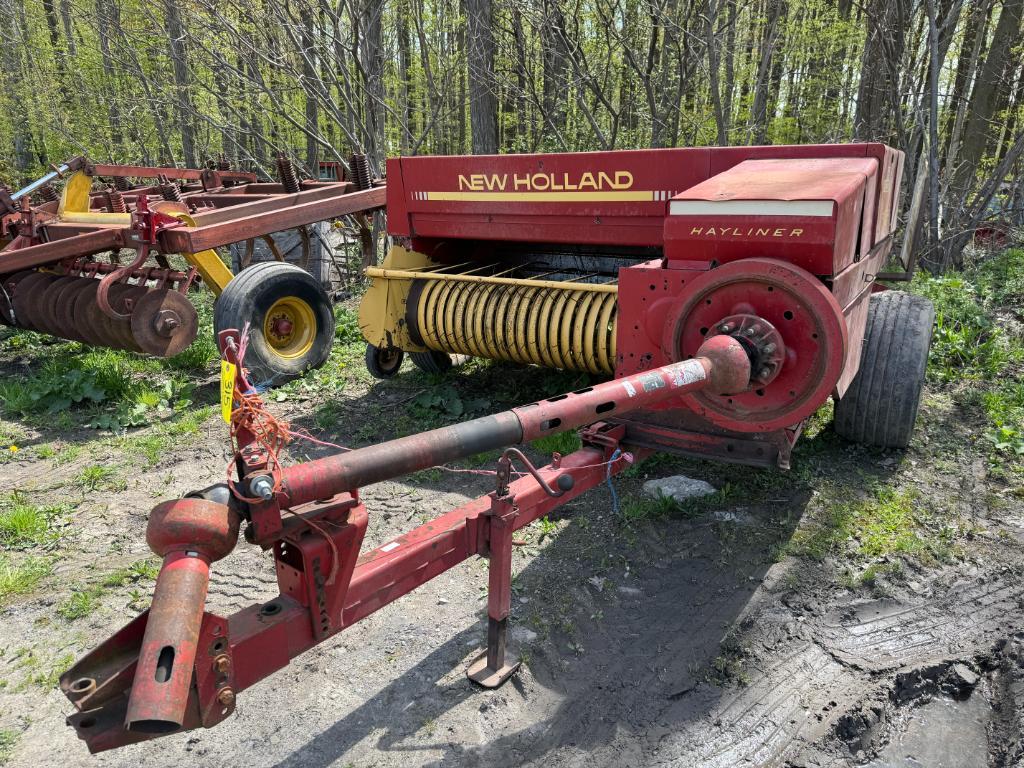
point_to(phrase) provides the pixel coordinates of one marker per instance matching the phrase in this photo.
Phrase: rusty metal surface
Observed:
(189, 534)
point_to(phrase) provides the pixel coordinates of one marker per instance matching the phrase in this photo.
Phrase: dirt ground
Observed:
(864, 607)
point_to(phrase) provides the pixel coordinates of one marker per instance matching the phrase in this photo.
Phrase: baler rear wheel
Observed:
(432, 361)
(880, 406)
(291, 322)
(383, 362)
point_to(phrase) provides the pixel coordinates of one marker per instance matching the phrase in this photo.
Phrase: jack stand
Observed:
(490, 669)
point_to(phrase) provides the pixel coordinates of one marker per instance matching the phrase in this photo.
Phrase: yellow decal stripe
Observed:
(546, 197)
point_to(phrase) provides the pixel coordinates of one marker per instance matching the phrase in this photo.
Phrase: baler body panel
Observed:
(806, 211)
(692, 240)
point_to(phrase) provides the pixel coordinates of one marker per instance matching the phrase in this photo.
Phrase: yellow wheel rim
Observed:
(290, 327)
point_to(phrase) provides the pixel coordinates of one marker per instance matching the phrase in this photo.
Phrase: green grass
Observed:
(85, 599)
(8, 741)
(24, 524)
(41, 671)
(80, 604)
(94, 476)
(563, 443)
(888, 523)
(20, 576)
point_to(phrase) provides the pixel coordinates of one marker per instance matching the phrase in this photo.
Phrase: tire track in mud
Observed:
(882, 635)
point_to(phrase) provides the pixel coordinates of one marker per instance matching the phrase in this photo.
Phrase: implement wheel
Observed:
(291, 323)
(880, 406)
(383, 362)
(432, 361)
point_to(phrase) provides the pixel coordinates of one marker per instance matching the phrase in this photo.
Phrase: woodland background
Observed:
(183, 81)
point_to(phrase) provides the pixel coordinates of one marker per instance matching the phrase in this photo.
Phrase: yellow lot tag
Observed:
(227, 389)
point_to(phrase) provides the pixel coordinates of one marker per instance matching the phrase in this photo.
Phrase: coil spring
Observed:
(169, 190)
(286, 173)
(115, 201)
(550, 327)
(360, 166)
(121, 184)
(48, 193)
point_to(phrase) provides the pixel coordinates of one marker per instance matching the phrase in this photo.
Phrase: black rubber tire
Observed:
(432, 361)
(880, 406)
(383, 363)
(248, 298)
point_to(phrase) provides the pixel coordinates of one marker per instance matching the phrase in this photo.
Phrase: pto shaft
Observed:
(721, 366)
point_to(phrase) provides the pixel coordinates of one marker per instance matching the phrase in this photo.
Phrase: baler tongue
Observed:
(178, 667)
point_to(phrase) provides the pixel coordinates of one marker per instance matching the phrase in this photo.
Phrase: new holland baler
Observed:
(724, 295)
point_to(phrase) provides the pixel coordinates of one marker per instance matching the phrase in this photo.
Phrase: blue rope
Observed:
(608, 479)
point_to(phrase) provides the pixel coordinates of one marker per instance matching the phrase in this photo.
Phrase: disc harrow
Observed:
(95, 260)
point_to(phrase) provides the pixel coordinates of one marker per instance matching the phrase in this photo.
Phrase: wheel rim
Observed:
(389, 358)
(290, 327)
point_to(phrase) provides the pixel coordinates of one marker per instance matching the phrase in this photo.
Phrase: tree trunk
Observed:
(984, 99)
(483, 100)
(182, 81)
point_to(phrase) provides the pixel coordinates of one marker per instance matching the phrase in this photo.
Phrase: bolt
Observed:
(222, 664)
(725, 327)
(765, 373)
(263, 487)
(226, 697)
(769, 348)
(166, 322)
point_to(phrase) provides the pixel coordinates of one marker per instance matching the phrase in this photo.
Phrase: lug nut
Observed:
(226, 697)
(725, 327)
(222, 664)
(769, 348)
(765, 373)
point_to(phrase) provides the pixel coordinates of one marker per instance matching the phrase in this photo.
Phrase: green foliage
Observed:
(889, 522)
(563, 443)
(445, 402)
(80, 604)
(20, 576)
(1005, 409)
(346, 327)
(94, 476)
(51, 391)
(24, 524)
(968, 343)
(8, 741)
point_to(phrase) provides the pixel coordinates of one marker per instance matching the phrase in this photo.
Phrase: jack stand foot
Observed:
(490, 669)
(484, 676)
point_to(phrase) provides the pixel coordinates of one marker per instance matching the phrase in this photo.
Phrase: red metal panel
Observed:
(776, 207)
(585, 197)
(398, 213)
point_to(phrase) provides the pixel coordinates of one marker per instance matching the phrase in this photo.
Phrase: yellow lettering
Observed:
(762, 233)
(540, 181)
(777, 233)
(696, 230)
(711, 231)
(566, 184)
(623, 180)
(555, 185)
(604, 181)
(796, 233)
(464, 183)
(496, 182)
(587, 181)
(521, 182)
(736, 232)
